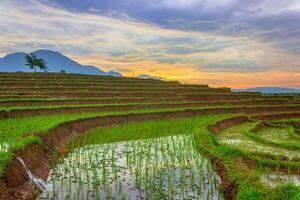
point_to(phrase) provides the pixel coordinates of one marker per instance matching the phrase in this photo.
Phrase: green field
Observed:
(249, 143)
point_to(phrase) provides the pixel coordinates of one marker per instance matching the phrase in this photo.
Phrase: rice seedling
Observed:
(151, 175)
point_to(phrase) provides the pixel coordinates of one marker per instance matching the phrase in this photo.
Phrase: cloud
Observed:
(92, 9)
(274, 21)
(235, 65)
(119, 42)
(167, 60)
(180, 3)
(189, 4)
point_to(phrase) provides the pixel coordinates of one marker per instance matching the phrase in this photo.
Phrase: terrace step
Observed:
(45, 102)
(195, 96)
(25, 112)
(106, 89)
(86, 84)
(78, 101)
(234, 96)
(276, 116)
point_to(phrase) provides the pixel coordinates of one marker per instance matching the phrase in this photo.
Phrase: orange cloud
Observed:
(128, 46)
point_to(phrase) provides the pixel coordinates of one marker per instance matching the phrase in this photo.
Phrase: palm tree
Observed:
(32, 61)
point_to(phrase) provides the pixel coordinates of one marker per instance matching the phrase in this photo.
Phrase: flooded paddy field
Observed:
(236, 138)
(251, 146)
(278, 135)
(275, 179)
(160, 168)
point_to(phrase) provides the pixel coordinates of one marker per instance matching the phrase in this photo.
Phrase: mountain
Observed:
(147, 76)
(113, 73)
(55, 62)
(270, 90)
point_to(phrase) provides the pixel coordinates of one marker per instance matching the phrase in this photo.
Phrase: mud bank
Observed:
(227, 123)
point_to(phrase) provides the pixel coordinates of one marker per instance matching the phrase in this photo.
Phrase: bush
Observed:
(63, 71)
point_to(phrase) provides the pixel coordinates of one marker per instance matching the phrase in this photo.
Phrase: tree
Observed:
(32, 61)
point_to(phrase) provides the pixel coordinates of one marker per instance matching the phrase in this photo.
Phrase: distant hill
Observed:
(147, 76)
(113, 73)
(55, 62)
(270, 90)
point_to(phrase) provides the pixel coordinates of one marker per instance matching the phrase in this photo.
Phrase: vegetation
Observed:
(259, 158)
(32, 61)
(249, 179)
(12, 131)
(156, 168)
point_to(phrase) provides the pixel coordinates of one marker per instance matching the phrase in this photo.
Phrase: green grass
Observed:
(143, 130)
(11, 128)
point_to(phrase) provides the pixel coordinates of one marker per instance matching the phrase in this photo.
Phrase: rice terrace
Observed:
(149, 100)
(144, 139)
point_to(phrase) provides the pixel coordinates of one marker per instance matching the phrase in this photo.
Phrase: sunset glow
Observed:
(226, 43)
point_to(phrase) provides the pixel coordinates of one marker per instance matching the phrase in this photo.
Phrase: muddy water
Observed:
(161, 168)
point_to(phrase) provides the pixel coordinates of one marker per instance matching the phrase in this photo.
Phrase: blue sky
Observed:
(235, 43)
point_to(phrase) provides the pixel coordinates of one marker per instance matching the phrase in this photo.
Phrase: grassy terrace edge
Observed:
(222, 104)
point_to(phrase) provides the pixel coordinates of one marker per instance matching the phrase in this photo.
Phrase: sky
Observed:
(231, 43)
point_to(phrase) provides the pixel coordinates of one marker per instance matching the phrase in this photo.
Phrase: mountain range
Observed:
(56, 62)
(273, 90)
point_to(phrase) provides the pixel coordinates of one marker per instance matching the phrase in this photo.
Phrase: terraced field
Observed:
(67, 136)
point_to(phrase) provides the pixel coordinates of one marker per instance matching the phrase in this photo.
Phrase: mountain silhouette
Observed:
(56, 62)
